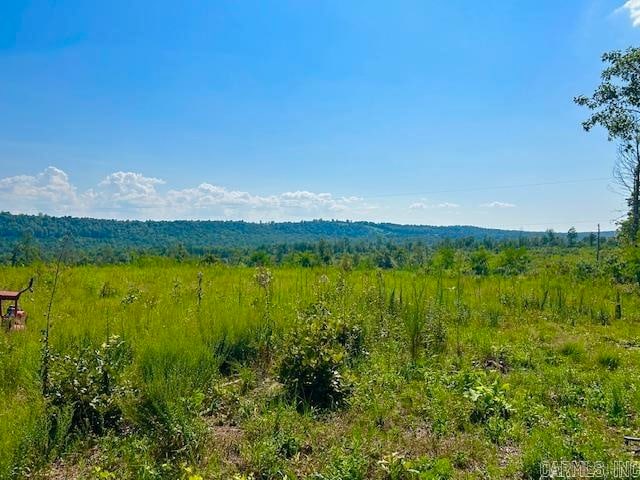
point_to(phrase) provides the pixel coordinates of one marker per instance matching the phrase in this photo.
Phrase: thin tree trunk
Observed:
(635, 200)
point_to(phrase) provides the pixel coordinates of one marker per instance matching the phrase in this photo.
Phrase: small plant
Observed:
(489, 401)
(414, 320)
(435, 336)
(132, 296)
(107, 290)
(102, 474)
(352, 465)
(493, 317)
(496, 429)
(397, 467)
(617, 408)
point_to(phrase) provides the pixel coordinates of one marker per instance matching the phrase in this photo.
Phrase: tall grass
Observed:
(195, 332)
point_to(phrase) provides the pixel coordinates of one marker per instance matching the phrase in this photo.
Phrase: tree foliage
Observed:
(615, 103)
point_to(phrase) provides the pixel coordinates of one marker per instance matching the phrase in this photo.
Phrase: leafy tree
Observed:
(480, 261)
(627, 175)
(26, 251)
(615, 104)
(385, 260)
(445, 257)
(260, 258)
(324, 251)
(550, 237)
(179, 252)
(572, 237)
(513, 261)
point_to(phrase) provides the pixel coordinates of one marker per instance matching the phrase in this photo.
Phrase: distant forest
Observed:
(27, 238)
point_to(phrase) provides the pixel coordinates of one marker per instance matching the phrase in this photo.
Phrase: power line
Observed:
(477, 189)
(567, 222)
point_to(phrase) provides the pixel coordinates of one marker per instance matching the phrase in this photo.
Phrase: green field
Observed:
(325, 373)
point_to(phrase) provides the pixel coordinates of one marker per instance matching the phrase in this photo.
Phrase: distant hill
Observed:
(154, 235)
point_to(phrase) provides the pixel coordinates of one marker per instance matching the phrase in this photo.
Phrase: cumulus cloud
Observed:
(133, 195)
(424, 205)
(128, 189)
(633, 7)
(49, 189)
(498, 205)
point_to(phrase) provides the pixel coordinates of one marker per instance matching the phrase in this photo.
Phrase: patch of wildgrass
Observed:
(572, 350)
(542, 447)
(609, 359)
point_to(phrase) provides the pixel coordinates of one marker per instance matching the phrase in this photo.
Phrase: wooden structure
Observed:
(13, 318)
(633, 443)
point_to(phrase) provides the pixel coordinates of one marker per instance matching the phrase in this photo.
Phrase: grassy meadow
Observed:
(170, 370)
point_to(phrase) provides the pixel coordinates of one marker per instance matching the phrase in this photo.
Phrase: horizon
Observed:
(311, 220)
(412, 114)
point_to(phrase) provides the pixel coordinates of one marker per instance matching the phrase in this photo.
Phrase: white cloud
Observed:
(633, 6)
(300, 203)
(498, 205)
(424, 205)
(50, 189)
(133, 195)
(129, 189)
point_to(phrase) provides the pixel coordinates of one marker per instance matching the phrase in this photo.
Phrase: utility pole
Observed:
(598, 246)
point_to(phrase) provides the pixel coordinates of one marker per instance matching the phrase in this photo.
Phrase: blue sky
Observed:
(413, 112)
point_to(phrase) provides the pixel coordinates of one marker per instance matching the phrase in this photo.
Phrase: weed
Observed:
(608, 359)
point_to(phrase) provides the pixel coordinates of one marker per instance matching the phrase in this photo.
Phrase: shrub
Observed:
(512, 261)
(311, 369)
(479, 261)
(89, 386)
(585, 270)
(314, 358)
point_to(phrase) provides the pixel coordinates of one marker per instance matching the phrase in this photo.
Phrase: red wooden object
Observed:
(13, 318)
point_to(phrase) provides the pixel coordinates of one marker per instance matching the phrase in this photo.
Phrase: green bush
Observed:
(314, 358)
(512, 261)
(89, 386)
